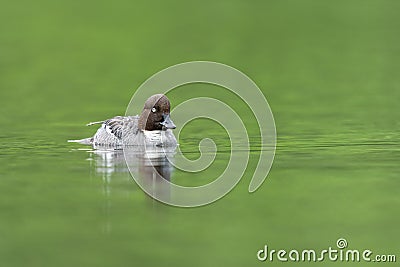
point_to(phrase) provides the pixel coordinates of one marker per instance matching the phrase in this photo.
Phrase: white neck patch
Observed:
(153, 136)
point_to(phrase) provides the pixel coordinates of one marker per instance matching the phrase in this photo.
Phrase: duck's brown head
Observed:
(155, 114)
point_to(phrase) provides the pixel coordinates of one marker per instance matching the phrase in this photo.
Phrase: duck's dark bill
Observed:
(167, 123)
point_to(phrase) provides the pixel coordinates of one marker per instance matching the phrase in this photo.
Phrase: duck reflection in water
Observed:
(149, 166)
(142, 145)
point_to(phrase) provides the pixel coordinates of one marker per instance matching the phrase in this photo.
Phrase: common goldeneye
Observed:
(151, 128)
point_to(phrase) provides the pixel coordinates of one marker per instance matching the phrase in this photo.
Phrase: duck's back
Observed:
(116, 131)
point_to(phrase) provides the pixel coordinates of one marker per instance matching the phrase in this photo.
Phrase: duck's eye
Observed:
(153, 110)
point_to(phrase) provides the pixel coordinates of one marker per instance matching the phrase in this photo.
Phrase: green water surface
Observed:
(330, 72)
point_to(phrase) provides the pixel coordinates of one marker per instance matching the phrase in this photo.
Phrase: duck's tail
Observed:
(85, 141)
(93, 123)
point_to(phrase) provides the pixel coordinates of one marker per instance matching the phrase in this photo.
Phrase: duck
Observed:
(153, 127)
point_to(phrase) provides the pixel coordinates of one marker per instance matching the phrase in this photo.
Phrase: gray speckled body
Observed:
(151, 128)
(124, 131)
